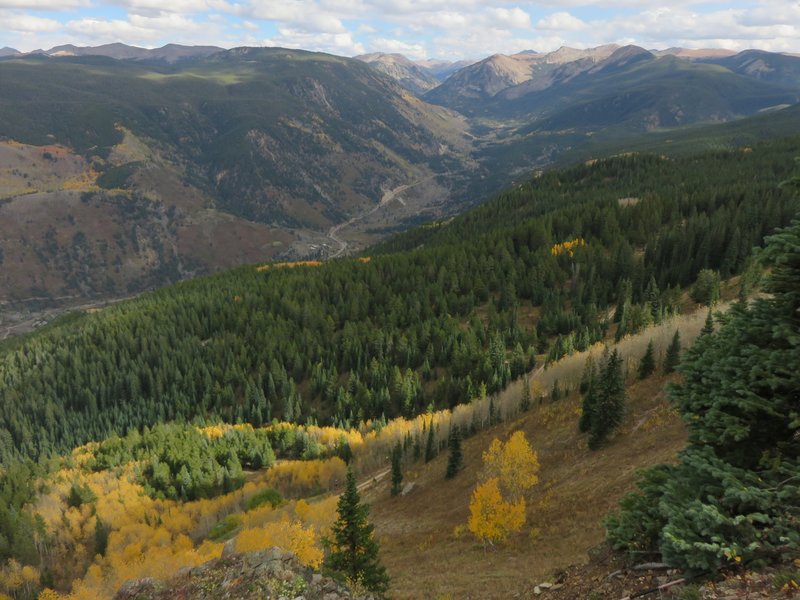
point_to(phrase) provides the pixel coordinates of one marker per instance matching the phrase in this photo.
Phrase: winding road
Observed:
(385, 200)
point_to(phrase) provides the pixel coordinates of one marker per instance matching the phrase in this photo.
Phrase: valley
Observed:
(181, 187)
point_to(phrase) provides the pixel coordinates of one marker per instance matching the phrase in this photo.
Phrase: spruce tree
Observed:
(455, 457)
(430, 445)
(589, 405)
(648, 363)
(525, 402)
(609, 408)
(353, 549)
(732, 497)
(708, 326)
(397, 470)
(653, 298)
(673, 356)
(587, 375)
(623, 296)
(555, 394)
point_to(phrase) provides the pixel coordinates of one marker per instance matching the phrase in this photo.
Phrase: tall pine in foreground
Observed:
(733, 498)
(353, 549)
(610, 407)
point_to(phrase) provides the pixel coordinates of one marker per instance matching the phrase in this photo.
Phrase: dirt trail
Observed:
(388, 197)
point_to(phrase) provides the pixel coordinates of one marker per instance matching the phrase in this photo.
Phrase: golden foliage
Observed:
(217, 431)
(303, 542)
(289, 265)
(568, 247)
(514, 464)
(492, 519)
(305, 477)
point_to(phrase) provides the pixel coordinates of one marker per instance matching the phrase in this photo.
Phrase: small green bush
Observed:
(268, 496)
(225, 527)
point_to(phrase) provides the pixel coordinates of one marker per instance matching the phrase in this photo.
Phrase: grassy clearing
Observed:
(577, 487)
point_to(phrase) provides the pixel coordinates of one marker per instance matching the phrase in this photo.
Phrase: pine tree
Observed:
(623, 298)
(648, 363)
(493, 420)
(455, 457)
(673, 356)
(353, 549)
(397, 471)
(732, 497)
(708, 326)
(706, 288)
(555, 394)
(588, 406)
(525, 402)
(588, 374)
(653, 298)
(430, 445)
(609, 408)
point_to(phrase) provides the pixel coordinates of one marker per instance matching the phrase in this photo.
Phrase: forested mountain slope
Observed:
(279, 136)
(118, 176)
(533, 271)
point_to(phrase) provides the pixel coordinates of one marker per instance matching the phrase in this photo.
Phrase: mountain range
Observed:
(531, 86)
(265, 148)
(154, 165)
(169, 53)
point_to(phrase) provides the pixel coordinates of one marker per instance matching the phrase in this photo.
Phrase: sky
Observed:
(443, 29)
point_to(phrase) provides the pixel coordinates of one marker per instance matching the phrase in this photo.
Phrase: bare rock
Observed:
(407, 488)
(229, 549)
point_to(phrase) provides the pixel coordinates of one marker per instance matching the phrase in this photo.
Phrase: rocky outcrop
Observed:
(270, 573)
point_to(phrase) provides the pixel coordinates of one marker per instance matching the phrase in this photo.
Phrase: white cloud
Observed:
(414, 51)
(186, 7)
(682, 27)
(512, 18)
(333, 43)
(299, 15)
(49, 5)
(560, 21)
(771, 13)
(25, 23)
(444, 28)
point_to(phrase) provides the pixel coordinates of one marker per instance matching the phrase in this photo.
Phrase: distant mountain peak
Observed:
(373, 56)
(625, 53)
(694, 53)
(412, 76)
(169, 53)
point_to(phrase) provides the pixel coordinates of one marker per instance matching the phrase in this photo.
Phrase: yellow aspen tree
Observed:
(515, 464)
(492, 519)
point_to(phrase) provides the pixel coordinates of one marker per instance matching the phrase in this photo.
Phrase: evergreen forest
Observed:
(430, 319)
